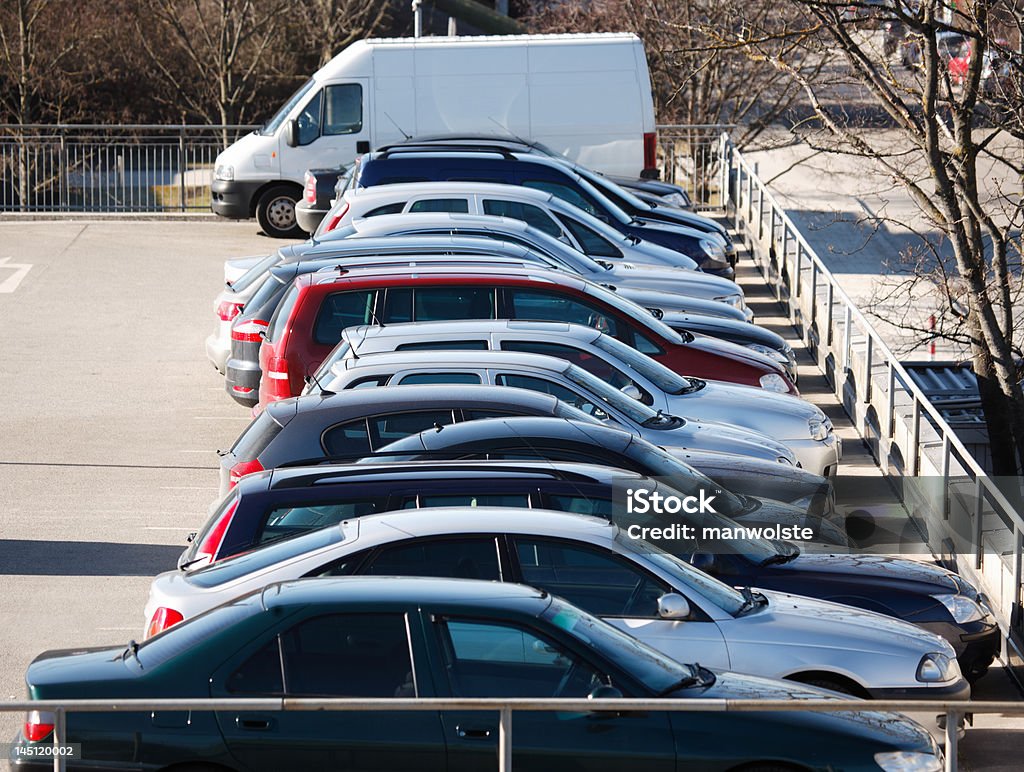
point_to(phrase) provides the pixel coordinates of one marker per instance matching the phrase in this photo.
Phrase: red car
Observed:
(308, 323)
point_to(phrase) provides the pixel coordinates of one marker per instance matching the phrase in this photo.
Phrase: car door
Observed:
(620, 592)
(332, 124)
(363, 654)
(476, 657)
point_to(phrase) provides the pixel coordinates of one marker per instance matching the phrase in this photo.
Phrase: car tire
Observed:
(275, 212)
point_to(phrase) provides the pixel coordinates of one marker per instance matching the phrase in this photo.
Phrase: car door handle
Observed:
(473, 733)
(254, 723)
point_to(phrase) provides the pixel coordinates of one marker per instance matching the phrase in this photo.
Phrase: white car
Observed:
(242, 277)
(548, 375)
(625, 276)
(598, 566)
(796, 423)
(555, 216)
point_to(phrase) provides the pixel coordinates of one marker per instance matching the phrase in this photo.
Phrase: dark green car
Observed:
(414, 637)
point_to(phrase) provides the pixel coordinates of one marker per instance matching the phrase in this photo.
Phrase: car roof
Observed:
(401, 592)
(400, 189)
(419, 396)
(401, 244)
(348, 474)
(485, 274)
(474, 328)
(384, 223)
(456, 358)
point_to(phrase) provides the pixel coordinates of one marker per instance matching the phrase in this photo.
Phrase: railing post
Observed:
(945, 475)
(1018, 557)
(798, 261)
(59, 739)
(505, 740)
(62, 172)
(915, 436)
(891, 428)
(830, 301)
(181, 167)
(867, 368)
(952, 725)
(979, 513)
(847, 337)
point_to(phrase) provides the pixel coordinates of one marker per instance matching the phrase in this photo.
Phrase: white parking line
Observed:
(222, 418)
(188, 487)
(20, 272)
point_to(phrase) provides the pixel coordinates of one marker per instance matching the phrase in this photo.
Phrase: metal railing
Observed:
(506, 707)
(101, 168)
(689, 156)
(976, 527)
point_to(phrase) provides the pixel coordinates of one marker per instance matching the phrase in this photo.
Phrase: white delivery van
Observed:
(587, 96)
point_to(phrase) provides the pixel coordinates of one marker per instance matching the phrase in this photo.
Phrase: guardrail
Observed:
(980, 531)
(690, 157)
(104, 168)
(505, 707)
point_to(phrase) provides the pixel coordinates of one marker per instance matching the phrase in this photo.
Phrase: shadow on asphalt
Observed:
(30, 557)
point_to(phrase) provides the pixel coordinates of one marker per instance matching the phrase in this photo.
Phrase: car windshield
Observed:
(719, 593)
(685, 478)
(637, 411)
(271, 126)
(255, 272)
(666, 380)
(651, 668)
(635, 312)
(271, 288)
(614, 191)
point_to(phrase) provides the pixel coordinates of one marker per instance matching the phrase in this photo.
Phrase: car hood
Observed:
(671, 301)
(797, 620)
(763, 410)
(720, 438)
(890, 728)
(630, 271)
(878, 569)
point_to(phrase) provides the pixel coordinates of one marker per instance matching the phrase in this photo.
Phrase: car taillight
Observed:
(249, 332)
(228, 310)
(242, 389)
(277, 369)
(162, 619)
(238, 471)
(650, 151)
(333, 222)
(310, 190)
(213, 538)
(38, 725)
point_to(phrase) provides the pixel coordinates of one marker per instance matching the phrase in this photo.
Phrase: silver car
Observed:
(564, 380)
(794, 422)
(625, 277)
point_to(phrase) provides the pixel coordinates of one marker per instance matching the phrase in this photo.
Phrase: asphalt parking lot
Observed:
(113, 417)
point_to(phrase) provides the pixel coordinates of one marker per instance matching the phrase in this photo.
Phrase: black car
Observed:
(388, 637)
(668, 193)
(412, 163)
(922, 593)
(318, 190)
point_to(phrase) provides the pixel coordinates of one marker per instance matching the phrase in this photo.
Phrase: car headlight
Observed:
(962, 608)
(774, 382)
(224, 172)
(712, 249)
(768, 351)
(736, 301)
(937, 667)
(909, 761)
(820, 428)
(675, 199)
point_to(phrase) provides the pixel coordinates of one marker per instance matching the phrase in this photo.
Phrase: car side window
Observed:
(369, 382)
(348, 439)
(467, 558)
(531, 215)
(340, 310)
(421, 378)
(563, 192)
(386, 209)
(396, 426)
(343, 109)
(646, 345)
(261, 673)
(551, 307)
(476, 414)
(517, 500)
(494, 659)
(285, 522)
(556, 390)
(580, 504)
(592, 242)
(432, 304)
(444, 345)
(596, 580)
(460, 205)
(308, 121)
(348, 655)
(589, 362)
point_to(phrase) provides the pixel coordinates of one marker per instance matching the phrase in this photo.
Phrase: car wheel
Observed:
(832, 684)
(275, 212)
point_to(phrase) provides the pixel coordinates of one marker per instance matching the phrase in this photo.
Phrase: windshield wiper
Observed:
(691, 680)
(750, 601)
(133, 649)
(778, 558)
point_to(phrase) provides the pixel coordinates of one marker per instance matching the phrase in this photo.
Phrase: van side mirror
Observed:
(291, 133)
(362, 146)
(672, 605)
(631, 391)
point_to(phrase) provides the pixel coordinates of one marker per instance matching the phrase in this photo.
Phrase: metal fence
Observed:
(100, 168)
(506, 707)
(973, 523)
(689, 156)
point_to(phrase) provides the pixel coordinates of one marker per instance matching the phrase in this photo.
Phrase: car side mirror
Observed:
(291, 133)
(631, 391)
(672, 605)
(605, 692)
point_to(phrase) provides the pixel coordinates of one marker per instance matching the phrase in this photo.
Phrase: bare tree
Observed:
(328, 26)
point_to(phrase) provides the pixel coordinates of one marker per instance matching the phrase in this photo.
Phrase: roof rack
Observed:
(389, 150)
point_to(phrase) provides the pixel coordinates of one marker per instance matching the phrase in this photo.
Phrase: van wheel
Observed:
(275, 212)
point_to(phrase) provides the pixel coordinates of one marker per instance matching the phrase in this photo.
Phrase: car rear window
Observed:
(256, 437)
(278, 323)
(340, 310)
(258, 270)
(193, 632)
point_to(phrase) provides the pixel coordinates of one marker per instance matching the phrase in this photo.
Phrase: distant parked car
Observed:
(596, 565)
(380, 638)
(802, 427)
(922, 593)
(318, 190)
(315, 310)
(665, 193)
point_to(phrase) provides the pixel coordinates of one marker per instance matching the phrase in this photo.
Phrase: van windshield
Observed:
(271, 126)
